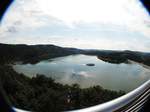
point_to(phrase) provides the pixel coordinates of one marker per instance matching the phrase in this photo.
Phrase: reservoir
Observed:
(73, 69)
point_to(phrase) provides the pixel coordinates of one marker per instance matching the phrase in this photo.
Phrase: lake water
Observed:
(73, 69)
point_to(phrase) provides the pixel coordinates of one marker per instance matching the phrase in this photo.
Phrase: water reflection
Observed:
(74, 69)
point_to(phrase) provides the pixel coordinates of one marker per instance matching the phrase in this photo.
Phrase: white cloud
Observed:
(121, 12)
(99, 24)
(24, 12)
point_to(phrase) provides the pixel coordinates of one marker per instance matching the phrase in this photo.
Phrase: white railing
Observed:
(132, 101)
(121, 103)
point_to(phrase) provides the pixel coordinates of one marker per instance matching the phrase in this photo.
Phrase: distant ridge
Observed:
(35, 53)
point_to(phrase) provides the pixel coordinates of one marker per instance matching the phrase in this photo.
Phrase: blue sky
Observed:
(97, 24)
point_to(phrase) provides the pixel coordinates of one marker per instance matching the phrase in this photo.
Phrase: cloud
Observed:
(98, 24)
(23, 14)
(121, 12)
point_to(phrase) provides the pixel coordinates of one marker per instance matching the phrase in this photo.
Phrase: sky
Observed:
(87, 24)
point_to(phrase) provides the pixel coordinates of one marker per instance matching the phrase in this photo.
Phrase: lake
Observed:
(74, 69)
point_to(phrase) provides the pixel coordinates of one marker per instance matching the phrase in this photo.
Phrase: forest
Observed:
(43, 94)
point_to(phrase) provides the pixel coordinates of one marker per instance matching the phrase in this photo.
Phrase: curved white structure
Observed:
(133, 101)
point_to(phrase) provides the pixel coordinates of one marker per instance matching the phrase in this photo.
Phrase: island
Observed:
(90, 64)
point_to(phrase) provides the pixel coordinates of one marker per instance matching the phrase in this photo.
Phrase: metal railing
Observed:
(130, 102)
(133, 101)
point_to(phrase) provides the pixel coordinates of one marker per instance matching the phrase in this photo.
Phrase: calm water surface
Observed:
(73, 69)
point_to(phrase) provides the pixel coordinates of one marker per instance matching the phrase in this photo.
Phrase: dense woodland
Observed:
(32, 53)
(43, 94)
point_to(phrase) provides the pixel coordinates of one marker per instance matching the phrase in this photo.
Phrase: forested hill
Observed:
(32, 53)
(35, 53)
(121, 56)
